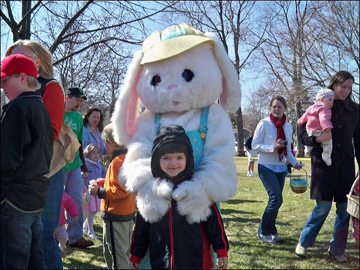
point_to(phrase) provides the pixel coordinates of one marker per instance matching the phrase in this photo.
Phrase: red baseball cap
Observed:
(16, 64)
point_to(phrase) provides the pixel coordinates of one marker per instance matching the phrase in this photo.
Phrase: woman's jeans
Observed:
(274, 184)
(50, 218)
(316, 220)
(21, 235)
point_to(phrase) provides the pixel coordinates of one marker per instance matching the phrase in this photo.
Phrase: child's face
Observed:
(173, 164)
(328, 101)
(94, 155)
(13, 86)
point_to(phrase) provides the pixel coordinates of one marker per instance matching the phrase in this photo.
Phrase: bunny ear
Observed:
(127, 105)
(230, 98)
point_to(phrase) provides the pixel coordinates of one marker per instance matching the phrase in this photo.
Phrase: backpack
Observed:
(65, 146)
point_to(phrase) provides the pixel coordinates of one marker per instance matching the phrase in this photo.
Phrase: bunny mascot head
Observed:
(179, 75)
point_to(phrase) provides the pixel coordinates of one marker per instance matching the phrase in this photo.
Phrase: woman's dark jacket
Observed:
(172, 241)
(334, 182)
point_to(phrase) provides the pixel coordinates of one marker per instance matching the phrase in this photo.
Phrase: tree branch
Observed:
(59, 38)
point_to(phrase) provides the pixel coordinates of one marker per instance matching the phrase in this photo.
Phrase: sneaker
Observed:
(82, 243)
(267, 239)
(249, 174)
(253, 173)
(93, 236)
(340, 258)
(277, 238)
(300, 251)
(63, 253)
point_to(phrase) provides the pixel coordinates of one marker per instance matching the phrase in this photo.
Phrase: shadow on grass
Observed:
(249, 246)
(242, 201)
(234, 212)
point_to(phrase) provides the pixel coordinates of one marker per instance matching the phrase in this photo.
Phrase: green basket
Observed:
(297, 184)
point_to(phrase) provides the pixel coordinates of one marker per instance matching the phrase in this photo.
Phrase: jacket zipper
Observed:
(172, 264)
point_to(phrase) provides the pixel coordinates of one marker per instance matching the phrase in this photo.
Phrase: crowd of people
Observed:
(34, 233)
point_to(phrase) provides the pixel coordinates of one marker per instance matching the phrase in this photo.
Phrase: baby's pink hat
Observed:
(324, 92)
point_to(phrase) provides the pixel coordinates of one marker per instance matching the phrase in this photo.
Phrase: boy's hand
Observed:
(222, 263)
(84, 174)
(93, 189)
(75, 219)
(134, 265)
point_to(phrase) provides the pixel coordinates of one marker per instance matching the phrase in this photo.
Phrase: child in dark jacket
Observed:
(26, 149)
(172, 241)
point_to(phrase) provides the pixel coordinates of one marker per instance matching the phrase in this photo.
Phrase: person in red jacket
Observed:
(173, 242)
(60, 233)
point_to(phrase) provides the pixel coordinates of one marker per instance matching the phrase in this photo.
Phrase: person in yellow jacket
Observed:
(117, 206)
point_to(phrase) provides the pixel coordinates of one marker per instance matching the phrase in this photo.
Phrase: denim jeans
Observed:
(74, 186)
(274, 184)
(316, 220)
(50, 218)
(21, 235)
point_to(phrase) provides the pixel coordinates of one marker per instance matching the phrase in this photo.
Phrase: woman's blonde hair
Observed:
(32, 82)
(46, 69)
(107, 135)
(89, 149)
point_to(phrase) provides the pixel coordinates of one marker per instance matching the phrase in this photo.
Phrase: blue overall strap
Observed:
(203, 123)
(157, 121)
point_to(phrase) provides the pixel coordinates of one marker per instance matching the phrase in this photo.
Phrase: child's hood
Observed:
(171, 134)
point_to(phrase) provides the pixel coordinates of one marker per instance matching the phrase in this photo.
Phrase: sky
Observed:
(248, 83)
(250, 80)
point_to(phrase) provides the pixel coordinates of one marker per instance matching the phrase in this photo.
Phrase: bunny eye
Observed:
(155, 80)
(188, 75)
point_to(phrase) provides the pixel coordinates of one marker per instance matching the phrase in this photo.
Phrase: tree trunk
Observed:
(240, 133)
(300, 146)
(25, 27)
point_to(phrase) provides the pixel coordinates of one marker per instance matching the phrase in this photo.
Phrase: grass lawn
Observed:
(242, 215)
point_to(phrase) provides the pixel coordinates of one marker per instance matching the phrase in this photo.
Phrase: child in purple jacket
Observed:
(92, 156)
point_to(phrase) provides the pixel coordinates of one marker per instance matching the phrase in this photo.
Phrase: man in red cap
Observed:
(26, 150)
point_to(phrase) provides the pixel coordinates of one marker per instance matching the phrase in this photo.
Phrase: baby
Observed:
(317, 118)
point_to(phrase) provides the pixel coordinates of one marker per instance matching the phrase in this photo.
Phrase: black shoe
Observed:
(82, 243)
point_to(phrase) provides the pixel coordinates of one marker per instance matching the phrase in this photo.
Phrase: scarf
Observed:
(280, 134)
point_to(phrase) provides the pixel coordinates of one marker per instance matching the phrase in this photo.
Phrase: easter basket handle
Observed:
(353, 185)
(306, 175)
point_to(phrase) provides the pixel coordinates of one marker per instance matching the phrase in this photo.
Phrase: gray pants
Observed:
(121, 232)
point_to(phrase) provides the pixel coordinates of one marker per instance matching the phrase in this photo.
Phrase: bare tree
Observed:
(84, 37)
(336, 45)
(286, 48)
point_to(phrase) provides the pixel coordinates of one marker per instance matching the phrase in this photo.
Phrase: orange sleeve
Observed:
(115, 189)
(53, 99)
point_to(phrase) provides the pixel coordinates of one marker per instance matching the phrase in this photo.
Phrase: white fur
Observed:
(215, 179)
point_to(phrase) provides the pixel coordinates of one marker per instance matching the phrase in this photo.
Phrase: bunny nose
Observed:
(171, 86)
